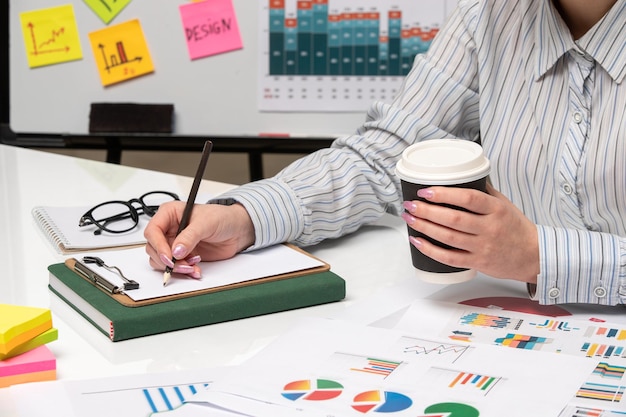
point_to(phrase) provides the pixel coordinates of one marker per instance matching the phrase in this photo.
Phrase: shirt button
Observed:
(599, 292)
(554, 293)
(578, 117)
(567, 189)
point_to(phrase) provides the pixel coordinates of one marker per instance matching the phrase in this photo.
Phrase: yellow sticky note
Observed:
(121, 52)
(50, 36)
(107, 9)
(18, 324)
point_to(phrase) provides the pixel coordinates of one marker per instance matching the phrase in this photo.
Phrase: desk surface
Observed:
(375, 263)
(370, 260)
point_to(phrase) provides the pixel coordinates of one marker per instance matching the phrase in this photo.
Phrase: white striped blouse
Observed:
(550, 113)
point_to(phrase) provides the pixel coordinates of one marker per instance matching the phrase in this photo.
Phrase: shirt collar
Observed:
(604, 42)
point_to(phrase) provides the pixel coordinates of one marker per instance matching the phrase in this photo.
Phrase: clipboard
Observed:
(122, 298)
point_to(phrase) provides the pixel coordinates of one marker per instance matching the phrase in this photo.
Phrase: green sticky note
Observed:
(107, 9)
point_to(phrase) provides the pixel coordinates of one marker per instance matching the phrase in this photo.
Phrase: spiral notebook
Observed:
(60, 227)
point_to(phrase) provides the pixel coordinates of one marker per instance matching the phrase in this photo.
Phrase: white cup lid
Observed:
(443, 162)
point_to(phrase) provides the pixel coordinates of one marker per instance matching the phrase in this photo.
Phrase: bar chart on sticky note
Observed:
(320, 55)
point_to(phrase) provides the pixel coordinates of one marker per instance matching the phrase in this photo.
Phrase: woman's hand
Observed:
(214, 232)
(494, 237)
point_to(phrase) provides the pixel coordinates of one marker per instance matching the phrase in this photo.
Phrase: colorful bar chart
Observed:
(491, 321)
(607, 332)
(323, 55)
(602, 350)
(480, 382)
(380, 367)
(360, 366)
(521, 341)
(602, 392)
(463, 382)
(322, 41)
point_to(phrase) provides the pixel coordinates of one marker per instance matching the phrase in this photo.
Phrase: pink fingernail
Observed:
(167, 261)
(196, 275)
(408, 218)
(425, 193)
(192, 260)
(409, 205)
(184, 269)
(179, 252)
(415, 241)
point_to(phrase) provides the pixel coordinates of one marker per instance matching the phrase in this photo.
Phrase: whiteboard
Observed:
(216, 95)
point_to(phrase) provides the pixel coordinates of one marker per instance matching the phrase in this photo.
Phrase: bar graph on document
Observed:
(469, 382)
(160, 399)
(141, 401)
(576, 411)
(601, 350)
(354, 365)
(321, 55)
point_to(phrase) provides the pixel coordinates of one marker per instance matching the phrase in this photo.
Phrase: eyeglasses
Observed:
(121, 216)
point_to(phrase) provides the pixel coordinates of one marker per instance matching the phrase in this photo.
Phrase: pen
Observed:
(184, 221)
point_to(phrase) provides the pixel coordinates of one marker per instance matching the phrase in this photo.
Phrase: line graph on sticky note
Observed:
(50, 36)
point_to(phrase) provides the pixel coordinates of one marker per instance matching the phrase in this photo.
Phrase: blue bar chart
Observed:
(321, 55)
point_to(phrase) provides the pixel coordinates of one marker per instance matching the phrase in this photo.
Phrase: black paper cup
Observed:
(442, 162)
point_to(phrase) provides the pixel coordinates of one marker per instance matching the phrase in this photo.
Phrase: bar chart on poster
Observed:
(298, 68)
(341, 54)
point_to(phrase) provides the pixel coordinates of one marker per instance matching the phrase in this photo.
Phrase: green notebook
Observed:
(120, 322)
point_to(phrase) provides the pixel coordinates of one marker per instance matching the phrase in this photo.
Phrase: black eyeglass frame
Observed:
(133, 213)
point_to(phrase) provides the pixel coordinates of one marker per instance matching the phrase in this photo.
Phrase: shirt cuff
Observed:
(273, 208)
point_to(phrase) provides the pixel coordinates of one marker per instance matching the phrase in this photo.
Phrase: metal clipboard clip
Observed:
(101, 281)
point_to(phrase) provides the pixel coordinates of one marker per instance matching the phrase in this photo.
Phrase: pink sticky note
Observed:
(210, 27)
(36, 360)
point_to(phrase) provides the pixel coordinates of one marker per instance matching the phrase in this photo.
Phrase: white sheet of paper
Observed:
(601, 343)
(335, 368)
(129, 395)
(266, 262)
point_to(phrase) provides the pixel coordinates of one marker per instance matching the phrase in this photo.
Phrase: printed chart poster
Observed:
(107, 9)
(50, 36)
(210, 28)
(121, 52)
(341, 55)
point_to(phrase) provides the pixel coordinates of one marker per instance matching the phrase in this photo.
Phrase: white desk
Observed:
(375, 263)
(370, 260)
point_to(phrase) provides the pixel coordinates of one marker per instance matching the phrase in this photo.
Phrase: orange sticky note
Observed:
(121, 52)
(41, 339)
(210, 27)
(50, 36)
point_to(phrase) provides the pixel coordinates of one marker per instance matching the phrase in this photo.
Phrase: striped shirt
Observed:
(510, 74)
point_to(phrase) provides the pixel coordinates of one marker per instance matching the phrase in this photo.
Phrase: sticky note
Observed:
(107, 9)
(121, 52)
(210, 27)
(38, 364)
(50, 36)
(19, 324)
(41, 339)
